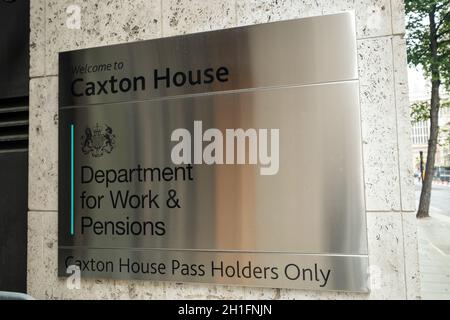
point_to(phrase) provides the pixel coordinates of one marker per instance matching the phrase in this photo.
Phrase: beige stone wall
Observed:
(385, 129)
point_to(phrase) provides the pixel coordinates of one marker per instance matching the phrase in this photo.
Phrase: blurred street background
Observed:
(434, 244)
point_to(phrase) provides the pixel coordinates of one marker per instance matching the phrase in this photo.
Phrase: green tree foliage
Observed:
(418, 36)
(420, 110)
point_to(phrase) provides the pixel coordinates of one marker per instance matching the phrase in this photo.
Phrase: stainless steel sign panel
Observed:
(228, 207)
(295, 52)
(271, 270)
(262, 171)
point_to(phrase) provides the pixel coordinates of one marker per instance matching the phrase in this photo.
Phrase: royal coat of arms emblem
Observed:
(98, 140)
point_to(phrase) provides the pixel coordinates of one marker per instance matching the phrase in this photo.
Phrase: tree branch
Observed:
(447, 15)
(443, 5)
(443, 33)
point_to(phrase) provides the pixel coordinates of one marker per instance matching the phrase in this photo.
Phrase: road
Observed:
(440, 198)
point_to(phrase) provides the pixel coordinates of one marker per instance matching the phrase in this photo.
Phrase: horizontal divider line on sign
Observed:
(204, 94)
(216, 251)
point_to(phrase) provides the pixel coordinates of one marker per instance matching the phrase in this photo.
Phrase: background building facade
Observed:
(419, 91)
(420, 135)
(388, 171)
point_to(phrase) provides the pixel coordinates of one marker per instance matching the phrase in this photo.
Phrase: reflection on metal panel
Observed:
(231, 207)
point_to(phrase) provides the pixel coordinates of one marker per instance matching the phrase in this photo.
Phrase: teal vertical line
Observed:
(71, 180)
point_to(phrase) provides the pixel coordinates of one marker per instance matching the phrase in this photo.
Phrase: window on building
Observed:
(420, 132)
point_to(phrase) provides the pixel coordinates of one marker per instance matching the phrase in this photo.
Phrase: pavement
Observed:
(434, 245)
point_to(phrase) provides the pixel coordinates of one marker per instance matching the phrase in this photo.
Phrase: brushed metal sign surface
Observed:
(294, 52)
(270, 270)
(243, 168)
